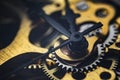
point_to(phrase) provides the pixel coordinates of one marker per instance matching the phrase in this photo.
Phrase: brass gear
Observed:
(101, 52)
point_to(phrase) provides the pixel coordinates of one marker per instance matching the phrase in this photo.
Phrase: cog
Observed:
(112, 36)
(59, 65)
(111, 57)
(101, 51)
(67, 67)
(114, 64)
(48, 72)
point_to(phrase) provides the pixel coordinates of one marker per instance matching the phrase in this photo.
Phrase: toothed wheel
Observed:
(112, 36)
(89, 66)
(58, 70)
(97, 53)
(55, 72)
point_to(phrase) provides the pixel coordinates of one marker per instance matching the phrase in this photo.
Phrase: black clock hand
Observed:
(79, 44)
(56, 25)
(70, 17)
(72, 38)
(94, 27)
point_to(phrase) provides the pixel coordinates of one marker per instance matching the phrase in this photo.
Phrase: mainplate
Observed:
(61, 40)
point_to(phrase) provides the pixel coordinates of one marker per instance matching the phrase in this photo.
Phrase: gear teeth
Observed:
(29, 67)
(100, 58)
(115, 65)
(102, 54)
(59, 64)
(95, 64)
(98, 61)
(67, 67)
(45, 70)
(81, 69)
(57, 61)
(101, 51)
(33, 66)
(76, 70)
(112, 36)
(86, 68)
(91, 66)
(94, 33)
(63, 66)
(72, 70)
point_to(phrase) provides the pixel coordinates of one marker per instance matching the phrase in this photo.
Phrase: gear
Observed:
(111, 57)
(48, 72)
(67, 67)
(57, 73)
(51, 69)
(101, 51)
(112, 36)
(114, 64)
(89, 66)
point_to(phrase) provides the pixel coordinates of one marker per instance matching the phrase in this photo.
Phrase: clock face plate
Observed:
(60, 40)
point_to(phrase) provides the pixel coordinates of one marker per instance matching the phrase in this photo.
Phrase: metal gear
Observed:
(114, 64)
(48, 72)
(101, 51)
(112, 36)
(67, 67)
(53, 73)
(111, 57)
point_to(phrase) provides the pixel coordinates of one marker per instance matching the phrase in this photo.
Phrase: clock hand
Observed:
(79, 45)
(70, 16)
(56, 25)
(94, 27)
(72, 38)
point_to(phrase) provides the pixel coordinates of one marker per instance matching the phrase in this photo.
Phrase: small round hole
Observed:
(57, 5)
(117, 44)
(101, 13)
(105, 75)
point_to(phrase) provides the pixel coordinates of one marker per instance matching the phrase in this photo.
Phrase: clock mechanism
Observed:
(60, 40)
